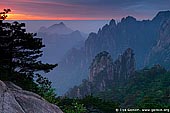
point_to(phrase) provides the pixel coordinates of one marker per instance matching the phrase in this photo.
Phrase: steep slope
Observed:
(160, 53)
(15, 100)
(114, 37)
(148, 88)
(120, 70)
(106, 74)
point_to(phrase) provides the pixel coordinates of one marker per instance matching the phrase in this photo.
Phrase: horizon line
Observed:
(60, 20)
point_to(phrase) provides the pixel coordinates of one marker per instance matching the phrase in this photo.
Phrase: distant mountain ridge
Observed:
(58, 39)
(60, 28)
(114, 37)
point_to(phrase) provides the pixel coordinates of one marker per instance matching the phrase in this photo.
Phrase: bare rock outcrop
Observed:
(15, 100)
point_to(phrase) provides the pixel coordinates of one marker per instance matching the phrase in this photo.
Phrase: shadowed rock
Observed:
(15, 100)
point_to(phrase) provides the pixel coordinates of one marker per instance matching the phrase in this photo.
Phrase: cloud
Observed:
(99, 9)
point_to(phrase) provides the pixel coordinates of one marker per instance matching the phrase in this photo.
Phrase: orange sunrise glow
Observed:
(79, 9)
(23, 17)
(33, 17)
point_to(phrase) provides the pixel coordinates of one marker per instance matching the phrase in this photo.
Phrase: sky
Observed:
(82, 9)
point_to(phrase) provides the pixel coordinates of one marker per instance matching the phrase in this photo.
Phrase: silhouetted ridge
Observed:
(112, 22)
(61, 24)
(59, 28)
(128, 19)
(162, 15)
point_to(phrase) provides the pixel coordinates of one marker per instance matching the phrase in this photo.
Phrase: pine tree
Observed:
(20, 52)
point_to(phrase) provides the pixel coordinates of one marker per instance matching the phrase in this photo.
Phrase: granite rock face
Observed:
(114, 37)
(160, 53)
(102, 61)
(106, 74)
(15, 100)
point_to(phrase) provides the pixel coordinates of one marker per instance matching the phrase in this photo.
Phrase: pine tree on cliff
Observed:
(19, 52)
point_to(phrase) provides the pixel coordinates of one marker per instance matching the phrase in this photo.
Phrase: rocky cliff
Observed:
(160, 53)
(15, 100)
(101, 62)
(106, 74)
(114, 38)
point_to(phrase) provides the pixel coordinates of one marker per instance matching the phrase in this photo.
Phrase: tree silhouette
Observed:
(3, 15)
(19, 52)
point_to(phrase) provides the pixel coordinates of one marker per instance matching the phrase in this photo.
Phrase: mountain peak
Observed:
(128, 18)
(162, 15)
(59, 28)
(76, 33)
(112, 22)
(61, 23)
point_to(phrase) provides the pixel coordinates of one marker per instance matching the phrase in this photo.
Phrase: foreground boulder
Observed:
(15, 100)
